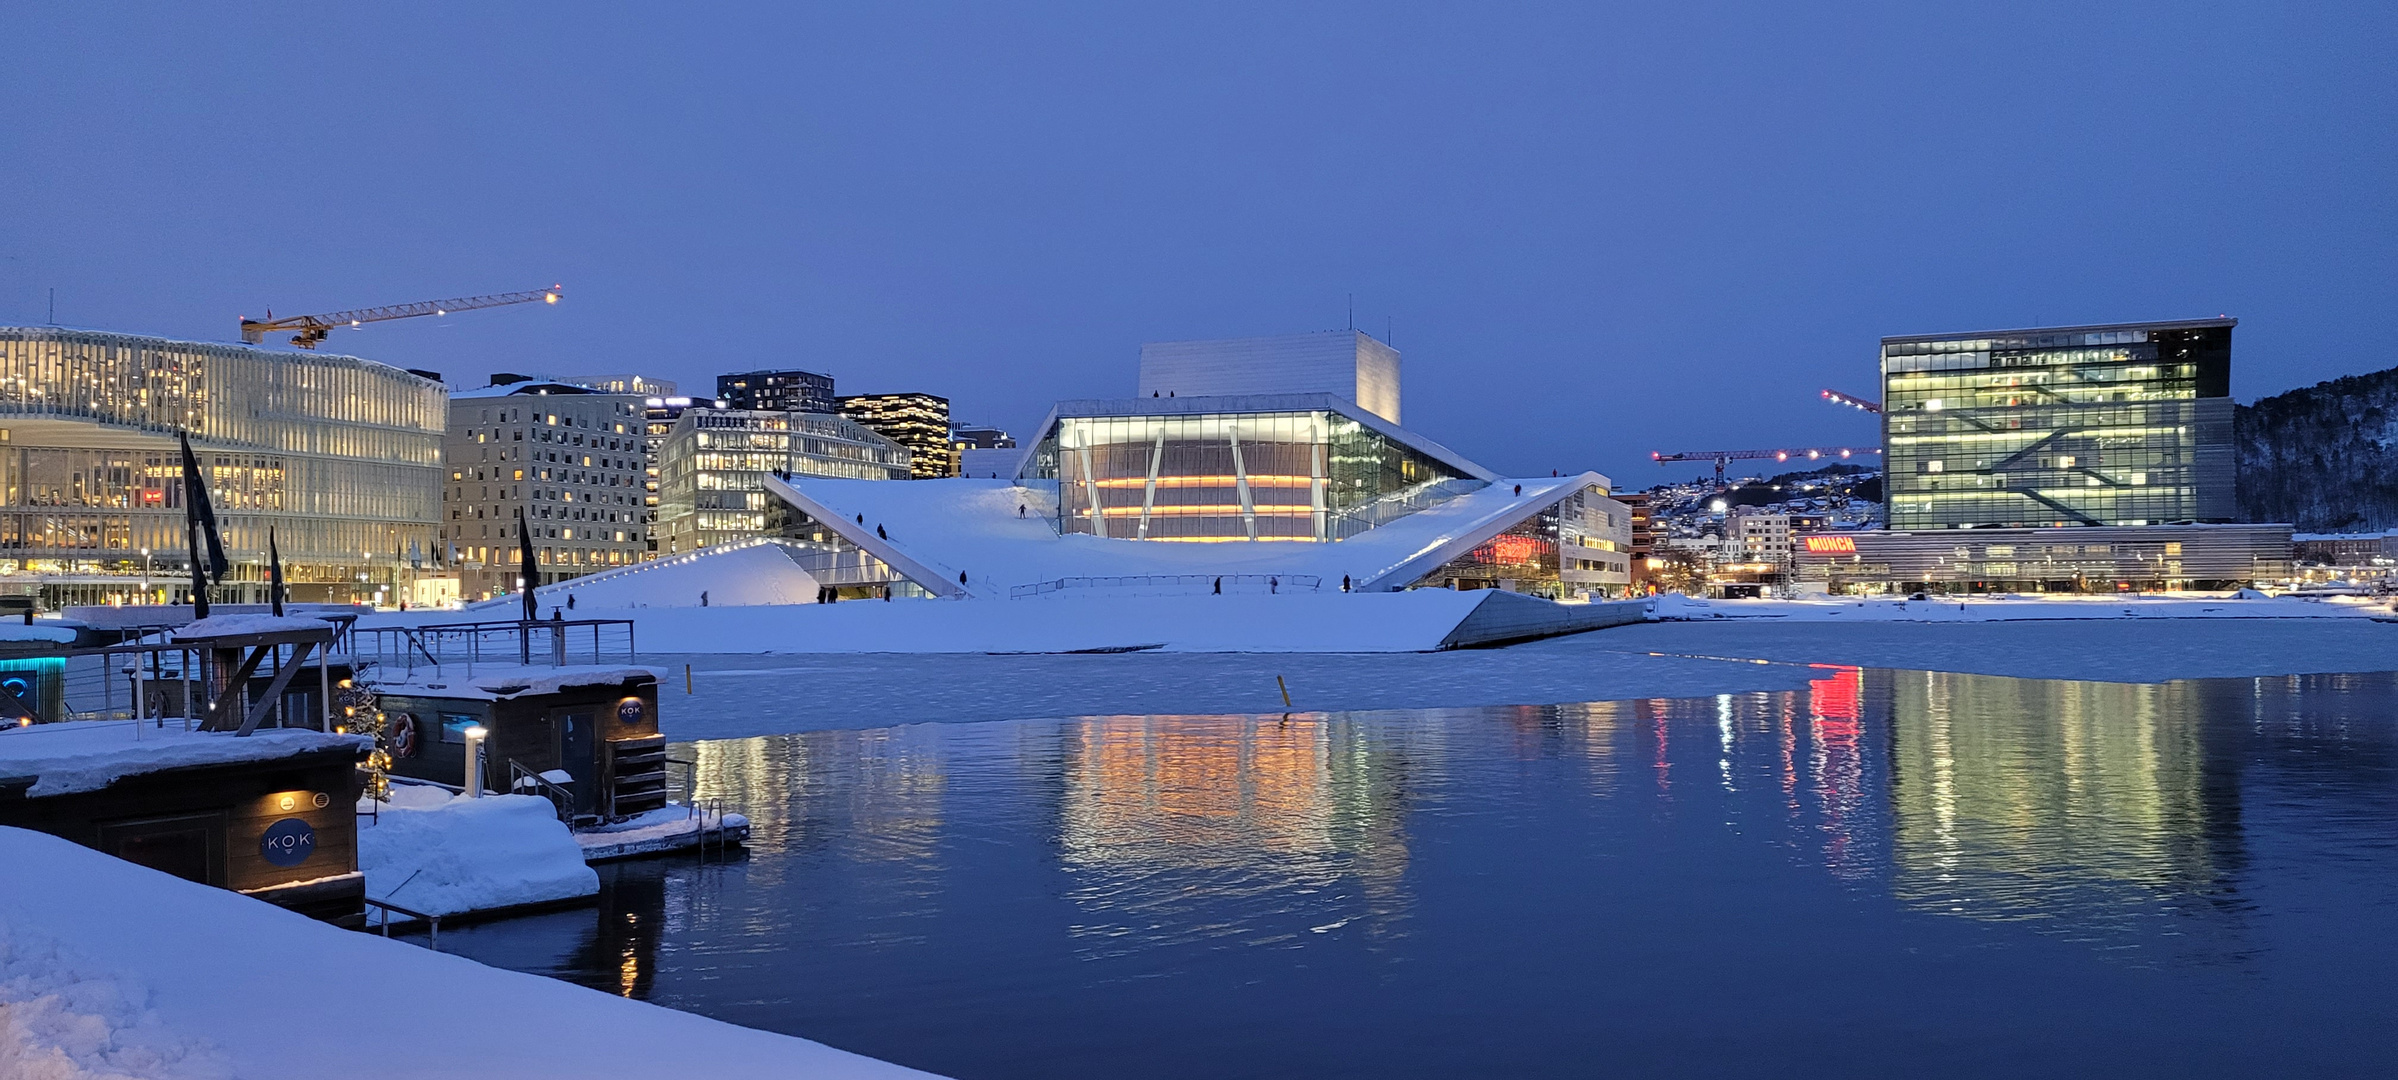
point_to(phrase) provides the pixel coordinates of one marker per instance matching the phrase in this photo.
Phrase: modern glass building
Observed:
(2123, 424)
(1302, 467)
(340, 456)
(919, 422)
(713, 465)
(777, 391)
(2092, 559)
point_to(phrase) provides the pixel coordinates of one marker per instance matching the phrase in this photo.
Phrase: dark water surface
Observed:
(1889, 873)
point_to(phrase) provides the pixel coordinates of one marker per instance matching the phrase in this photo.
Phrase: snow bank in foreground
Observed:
(63, 1018)
(87, 755)
(262, 985)
(442, 854)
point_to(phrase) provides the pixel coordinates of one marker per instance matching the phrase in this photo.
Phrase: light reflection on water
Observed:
(2191, 878)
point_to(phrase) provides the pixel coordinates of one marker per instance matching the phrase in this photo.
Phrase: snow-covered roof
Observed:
(19, 631)
(87, 755)
(216, 626)
(496, 682)
(934, 530)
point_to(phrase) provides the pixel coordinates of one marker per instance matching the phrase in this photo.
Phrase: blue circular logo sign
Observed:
(288, 842)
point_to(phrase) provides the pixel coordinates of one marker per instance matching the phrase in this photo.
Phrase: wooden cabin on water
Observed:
(272, 815)
(591, 733)
(234, 779)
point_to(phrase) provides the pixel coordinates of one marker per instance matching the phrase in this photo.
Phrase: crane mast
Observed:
(314, 328)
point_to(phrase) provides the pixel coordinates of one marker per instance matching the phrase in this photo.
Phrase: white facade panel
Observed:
(1346, 363)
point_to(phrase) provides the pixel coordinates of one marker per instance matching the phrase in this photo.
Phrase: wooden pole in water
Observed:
(1286, 691)
(686, 679)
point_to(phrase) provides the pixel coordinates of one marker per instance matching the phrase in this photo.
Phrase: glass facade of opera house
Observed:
(1311, 475)
(341, 457)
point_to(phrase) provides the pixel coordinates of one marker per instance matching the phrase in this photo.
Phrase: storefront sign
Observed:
(1830, 545)
(288, 842)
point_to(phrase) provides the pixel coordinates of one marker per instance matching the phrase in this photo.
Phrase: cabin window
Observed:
(454, 725)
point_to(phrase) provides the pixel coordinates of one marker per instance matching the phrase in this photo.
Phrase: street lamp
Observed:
(145, 575)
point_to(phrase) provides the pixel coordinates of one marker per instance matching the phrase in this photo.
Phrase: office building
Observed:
(340, 457)
(2096, 558)
(777, 391)
(569, 458)
(658, 417)
(713, 465)
(2123, 424)
(979, 437)
(1348, 364)
(919, 422)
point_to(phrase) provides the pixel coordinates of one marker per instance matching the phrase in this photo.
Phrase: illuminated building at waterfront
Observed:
(2121, 424)
(570, 460)
(340, 456)
(713, 465)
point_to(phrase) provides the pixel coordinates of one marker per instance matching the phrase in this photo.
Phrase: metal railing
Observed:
(522, 778)
(555, 642)
(184, 683)
(386, 908)
(1178, 584)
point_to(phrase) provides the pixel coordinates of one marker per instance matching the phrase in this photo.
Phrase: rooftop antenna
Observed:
(1352, 311)
(54, 305)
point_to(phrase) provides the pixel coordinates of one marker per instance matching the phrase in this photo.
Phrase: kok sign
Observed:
(288, 842)
(1830, 545)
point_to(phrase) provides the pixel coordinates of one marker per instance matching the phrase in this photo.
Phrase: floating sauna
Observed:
(587, 737)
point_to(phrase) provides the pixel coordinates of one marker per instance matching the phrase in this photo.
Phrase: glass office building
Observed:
(340, 456)
(713, 465)
(2123, 424)
(1303, 467)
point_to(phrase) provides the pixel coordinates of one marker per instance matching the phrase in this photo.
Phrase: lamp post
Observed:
(474, 760)
(145, 575)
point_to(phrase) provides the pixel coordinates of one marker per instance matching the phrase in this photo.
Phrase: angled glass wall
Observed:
(713, 465)
(2107, 425)
(1302, 476)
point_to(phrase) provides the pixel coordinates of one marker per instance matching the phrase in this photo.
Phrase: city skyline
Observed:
(1678, 230)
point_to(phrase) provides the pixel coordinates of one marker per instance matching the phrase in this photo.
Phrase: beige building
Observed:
(570, 459)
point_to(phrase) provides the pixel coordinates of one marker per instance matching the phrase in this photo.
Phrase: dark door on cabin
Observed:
(575, 732)
(191, 847)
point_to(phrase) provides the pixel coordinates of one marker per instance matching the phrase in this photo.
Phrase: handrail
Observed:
(1195, 583)
(387, 907)
(521, 776)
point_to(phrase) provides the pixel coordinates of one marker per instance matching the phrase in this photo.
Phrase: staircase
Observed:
(636, 775)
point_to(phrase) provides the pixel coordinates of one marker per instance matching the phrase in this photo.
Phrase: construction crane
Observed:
(1724, 457)
(1853, 401)
(314, 328)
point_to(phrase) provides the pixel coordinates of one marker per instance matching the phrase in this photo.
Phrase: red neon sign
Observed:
(1830, 545)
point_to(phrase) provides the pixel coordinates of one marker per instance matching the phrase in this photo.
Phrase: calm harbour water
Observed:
(1888, 874)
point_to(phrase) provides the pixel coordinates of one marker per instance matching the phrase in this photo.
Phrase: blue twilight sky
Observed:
(1593, 230)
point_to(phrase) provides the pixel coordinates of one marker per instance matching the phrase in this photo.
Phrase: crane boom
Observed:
(1853, 401)
(1723, 457)
(313, 328)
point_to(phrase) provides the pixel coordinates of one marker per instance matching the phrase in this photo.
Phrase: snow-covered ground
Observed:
(109, 970)
(2246, 604)
(740, 695)
(430, 851)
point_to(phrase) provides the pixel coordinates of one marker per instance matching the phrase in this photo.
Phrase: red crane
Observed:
(1723, 457)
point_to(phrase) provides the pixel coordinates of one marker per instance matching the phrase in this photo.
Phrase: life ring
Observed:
(403, 735)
